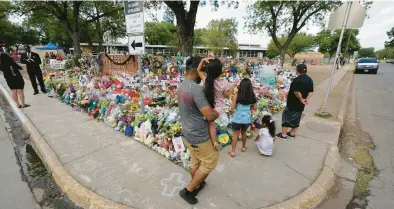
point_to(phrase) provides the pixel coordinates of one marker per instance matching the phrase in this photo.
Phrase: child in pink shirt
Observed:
(216, 89)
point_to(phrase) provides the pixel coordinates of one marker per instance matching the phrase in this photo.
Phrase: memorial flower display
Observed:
(116, 98)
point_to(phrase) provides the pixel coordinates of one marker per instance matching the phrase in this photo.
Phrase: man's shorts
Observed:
(290, 118)
(239, 126)
(203, 156)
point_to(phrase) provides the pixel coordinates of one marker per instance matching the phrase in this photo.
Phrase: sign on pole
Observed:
(136, 44)
(134, 15)
(356, 16)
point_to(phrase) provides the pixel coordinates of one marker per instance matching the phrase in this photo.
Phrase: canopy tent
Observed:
(49, 46)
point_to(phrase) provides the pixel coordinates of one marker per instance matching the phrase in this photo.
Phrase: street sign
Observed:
(356, 16)
(134, 15)
(136, 45)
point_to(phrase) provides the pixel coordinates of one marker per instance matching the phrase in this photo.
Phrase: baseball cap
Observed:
(193, 62)
(301, 68)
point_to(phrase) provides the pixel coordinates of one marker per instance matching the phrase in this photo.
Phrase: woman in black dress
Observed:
(13, 77)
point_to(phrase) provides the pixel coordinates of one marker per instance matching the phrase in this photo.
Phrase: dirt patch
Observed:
(318, 73)
(354, 146)
(350, 191)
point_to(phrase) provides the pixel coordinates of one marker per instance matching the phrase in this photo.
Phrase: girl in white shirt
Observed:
(266, 137)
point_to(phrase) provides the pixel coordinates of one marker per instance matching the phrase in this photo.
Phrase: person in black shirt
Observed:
(33, 61)
(300, 92)
(13, 77)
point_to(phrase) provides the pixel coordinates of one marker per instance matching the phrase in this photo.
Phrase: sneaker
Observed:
(280, 135)
(289, 134)
(188, 196)
(35, 93)
(196, 191)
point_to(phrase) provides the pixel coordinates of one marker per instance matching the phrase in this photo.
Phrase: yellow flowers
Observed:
(223, 138)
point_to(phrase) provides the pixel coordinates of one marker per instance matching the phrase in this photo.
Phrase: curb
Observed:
(316, 193)
(77, 193)
(341, 115)
(86, 198)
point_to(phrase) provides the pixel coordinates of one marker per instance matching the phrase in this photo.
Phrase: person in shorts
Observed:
(244, 104)
(196, 113)
(301, 90)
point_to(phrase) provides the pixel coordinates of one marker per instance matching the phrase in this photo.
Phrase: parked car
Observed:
(367, 65)
(390, 61)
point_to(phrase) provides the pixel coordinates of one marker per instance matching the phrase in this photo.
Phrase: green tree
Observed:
(17, 35)
(286, 18)
(327, 41)
(366, 52)
(387, 53)
(185, 13)
(67, 14)
(301, 43)
(160, 33)
(220, 33)
(390, 34)
(5, 8)
(113, 23)
(49, 30)
(198, 33)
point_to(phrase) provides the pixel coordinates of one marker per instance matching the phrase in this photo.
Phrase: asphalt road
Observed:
(14, 191)
(375, 100)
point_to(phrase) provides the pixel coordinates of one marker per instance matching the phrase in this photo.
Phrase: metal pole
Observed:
(141, 83)
(348, 6)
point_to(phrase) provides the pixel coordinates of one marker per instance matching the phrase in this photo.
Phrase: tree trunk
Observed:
(282, 53)
(100, 36)
(185, 22)
(76, 44)
(186, 42)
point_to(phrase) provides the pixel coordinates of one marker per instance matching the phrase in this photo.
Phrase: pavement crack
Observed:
(296, 171)
(345, 178)
(315, 139)
(239, 203)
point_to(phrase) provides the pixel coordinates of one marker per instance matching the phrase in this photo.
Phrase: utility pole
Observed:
(334, 67)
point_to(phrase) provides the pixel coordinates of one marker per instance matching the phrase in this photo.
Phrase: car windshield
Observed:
(367, 61)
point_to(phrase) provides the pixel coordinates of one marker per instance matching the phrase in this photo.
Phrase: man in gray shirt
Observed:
(196, 113)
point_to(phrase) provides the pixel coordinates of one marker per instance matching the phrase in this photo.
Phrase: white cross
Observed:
(172, 184)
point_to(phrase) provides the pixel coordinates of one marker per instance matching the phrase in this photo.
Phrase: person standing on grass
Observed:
(301, 90)
(13, 77)
(196, 113)
(33, 62)
(244, 104)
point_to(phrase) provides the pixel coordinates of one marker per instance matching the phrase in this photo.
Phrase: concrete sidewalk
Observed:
(124, 171)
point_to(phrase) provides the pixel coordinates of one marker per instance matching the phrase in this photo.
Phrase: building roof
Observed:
(250, 47)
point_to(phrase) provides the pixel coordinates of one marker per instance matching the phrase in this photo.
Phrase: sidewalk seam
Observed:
(78, 193)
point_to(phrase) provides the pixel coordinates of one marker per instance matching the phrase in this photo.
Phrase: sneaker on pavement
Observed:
(188, 196)
(201, 187)
(280, 135)
(289, 134)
